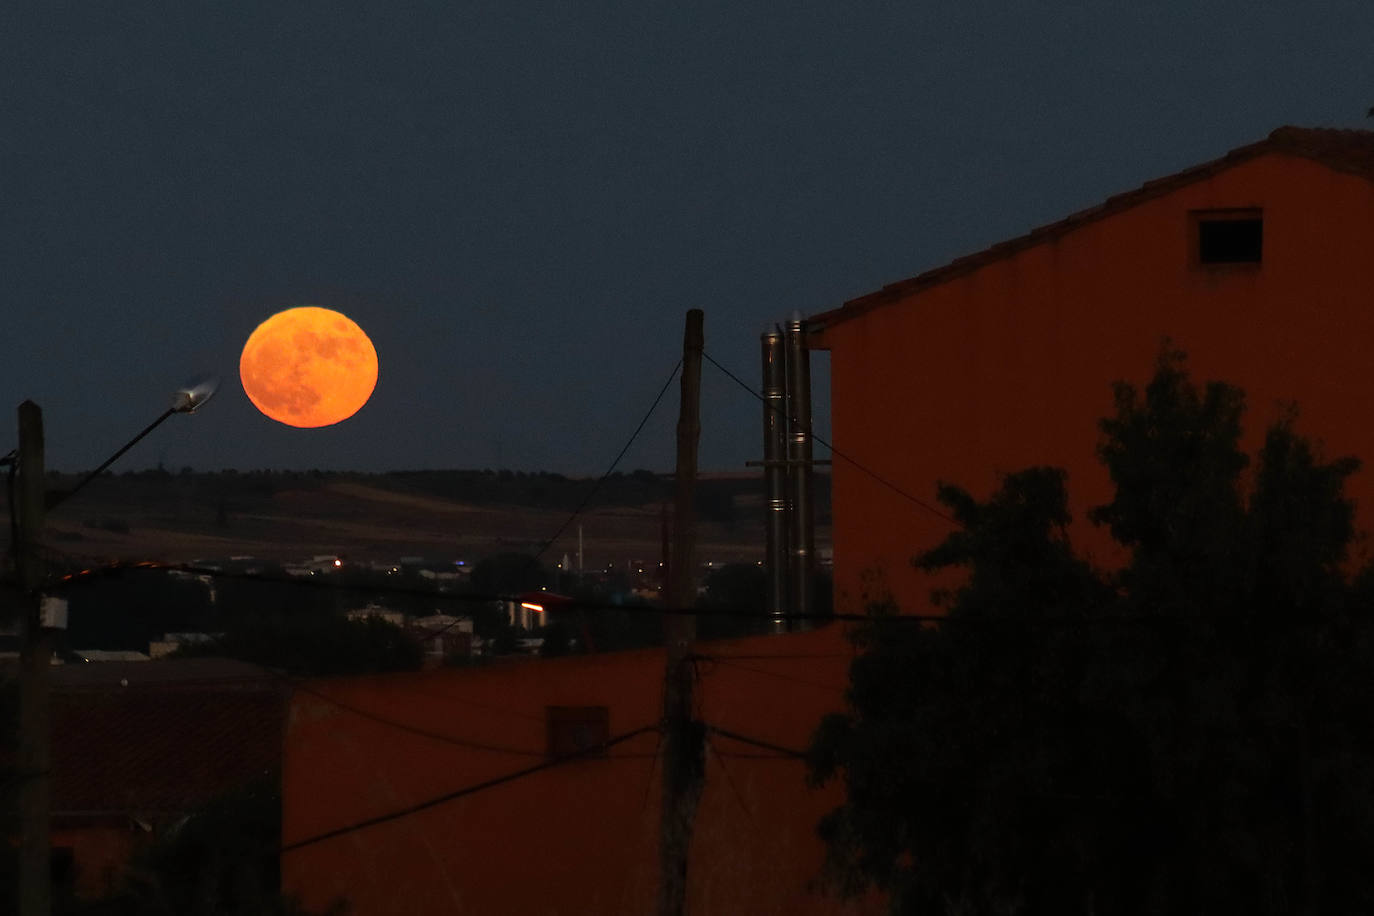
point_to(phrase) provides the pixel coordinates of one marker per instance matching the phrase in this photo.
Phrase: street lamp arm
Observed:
(185, 400)
(55, 498)
(27, 504)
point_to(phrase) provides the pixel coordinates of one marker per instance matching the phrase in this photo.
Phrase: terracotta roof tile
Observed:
(1344, 150)
(1349, 151)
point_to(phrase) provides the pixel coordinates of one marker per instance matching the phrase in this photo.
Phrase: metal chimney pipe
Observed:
(775, 476)
(802, 537)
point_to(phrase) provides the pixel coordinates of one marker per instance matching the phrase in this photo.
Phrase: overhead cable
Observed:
(725, 660)
(756, 742)
(854, 462)
(413, 729)
(465, 791)
(610, 470)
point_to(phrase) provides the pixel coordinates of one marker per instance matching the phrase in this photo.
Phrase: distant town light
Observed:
(337, 562)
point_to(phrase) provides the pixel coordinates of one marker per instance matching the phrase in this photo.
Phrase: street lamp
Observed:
(187, 399)
(27, 503)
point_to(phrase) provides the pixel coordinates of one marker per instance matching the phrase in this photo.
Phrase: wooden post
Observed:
(684, 754)
(35, 739)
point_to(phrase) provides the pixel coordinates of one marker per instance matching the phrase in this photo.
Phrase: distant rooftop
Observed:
(166, 671)
(160, 738)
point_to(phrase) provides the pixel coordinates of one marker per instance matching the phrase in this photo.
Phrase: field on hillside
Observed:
(283, 516)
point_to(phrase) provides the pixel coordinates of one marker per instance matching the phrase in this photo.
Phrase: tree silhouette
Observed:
(1193, 733)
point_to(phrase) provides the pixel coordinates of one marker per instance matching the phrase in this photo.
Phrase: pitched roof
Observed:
(1348, 151)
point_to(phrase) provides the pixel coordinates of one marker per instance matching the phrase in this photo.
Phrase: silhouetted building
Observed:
(1256, 265)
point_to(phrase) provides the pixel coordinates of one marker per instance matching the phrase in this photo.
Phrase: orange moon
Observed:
(308, 367)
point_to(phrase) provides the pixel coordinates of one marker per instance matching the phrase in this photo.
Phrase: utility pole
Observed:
(35, 738)
(684, 747)
(34, 759)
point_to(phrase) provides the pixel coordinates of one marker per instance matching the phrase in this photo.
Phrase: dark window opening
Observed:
(1230, 240)
(578, 730)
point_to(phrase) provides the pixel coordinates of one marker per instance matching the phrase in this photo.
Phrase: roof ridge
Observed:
(1347, 150)
(1284, 129)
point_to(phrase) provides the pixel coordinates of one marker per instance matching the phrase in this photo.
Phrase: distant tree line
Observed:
(727, 500)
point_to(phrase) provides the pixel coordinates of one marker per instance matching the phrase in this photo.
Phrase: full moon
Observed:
(308, 367)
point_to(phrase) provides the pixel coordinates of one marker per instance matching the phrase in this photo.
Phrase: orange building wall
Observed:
(1011, 365)
(100, 855)
(574, 839)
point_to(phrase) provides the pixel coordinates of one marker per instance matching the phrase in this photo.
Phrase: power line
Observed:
(426, 733)
(297, 684)
(500, 711)
(468, 744)
(729, 778)
(466, 791)
(653, 766)
(837, 453)
(416, 730)
(722, 660)
(431, 634)
(756, 742)
(596, 486)
(782, 655)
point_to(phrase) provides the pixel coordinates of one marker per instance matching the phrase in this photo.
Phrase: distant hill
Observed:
(279, 515)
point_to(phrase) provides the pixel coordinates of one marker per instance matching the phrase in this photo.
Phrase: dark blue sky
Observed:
(518, 201)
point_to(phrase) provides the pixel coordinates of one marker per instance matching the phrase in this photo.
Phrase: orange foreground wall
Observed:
(575, 839)
(1010, 364)
(100, 855)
